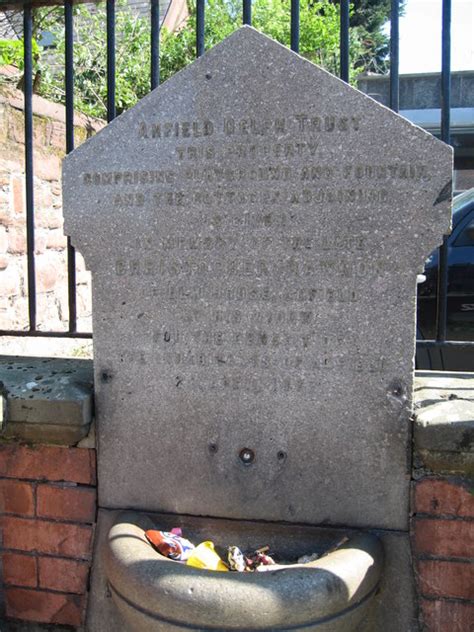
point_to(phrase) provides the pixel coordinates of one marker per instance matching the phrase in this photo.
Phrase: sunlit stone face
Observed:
(254, 228)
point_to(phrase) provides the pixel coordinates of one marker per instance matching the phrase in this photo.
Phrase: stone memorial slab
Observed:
(254, 228)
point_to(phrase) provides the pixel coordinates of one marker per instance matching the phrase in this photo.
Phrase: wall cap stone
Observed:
(444, 420)
(13, 97)
(49, 400)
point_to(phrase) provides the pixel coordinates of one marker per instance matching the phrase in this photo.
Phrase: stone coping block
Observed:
(44, 108)
(48, 400)
(444, 420)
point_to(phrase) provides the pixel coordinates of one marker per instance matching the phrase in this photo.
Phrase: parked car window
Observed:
(460, 306)
(466, 237)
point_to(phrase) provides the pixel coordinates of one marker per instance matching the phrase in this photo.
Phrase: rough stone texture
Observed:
(254, 228)
(48, 400)
(51, 261)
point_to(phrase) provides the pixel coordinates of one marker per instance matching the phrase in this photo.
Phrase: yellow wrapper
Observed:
(205, 556)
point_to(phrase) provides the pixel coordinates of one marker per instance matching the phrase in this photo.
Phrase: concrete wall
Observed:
(421, 91)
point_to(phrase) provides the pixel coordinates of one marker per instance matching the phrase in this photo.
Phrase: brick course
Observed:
(48, 512)
(63, 575)
(19, 570)
(17, 497)
(46, 463)
(44, 606)
(44, 536)
(443, 545)
(440, 578)
(439, 497)
(447, 616)
(66, 503)
(444, 538)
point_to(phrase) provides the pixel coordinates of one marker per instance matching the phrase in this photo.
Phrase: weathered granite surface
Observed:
(48, 400)
(257, 361)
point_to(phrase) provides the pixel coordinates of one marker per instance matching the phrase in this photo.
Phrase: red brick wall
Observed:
(48, 509)
(443, 546)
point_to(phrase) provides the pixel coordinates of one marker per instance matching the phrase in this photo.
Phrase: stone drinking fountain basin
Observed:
(153, 593)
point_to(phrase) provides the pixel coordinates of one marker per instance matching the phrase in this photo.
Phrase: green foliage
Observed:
(90, 61)
(368, 17)
(11, 52)
(319, 28)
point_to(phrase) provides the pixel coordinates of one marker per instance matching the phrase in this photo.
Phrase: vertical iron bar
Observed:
(442, 311)
(446, 74)
(29, 197)
(344, 40)
(394, 56)
(111, 111)
(69, 84)
(295, 26)
(200, 27)
(247, 12)
(155, 44)
(69, 74)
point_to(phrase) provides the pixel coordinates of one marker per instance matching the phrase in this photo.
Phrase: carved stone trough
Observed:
(154, 593)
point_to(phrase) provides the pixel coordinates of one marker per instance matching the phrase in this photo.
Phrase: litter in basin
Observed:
(171, 544)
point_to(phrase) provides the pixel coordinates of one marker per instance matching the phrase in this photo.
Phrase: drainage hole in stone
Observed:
(396, 390)
(247, 456)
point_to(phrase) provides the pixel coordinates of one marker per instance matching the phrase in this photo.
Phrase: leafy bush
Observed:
(11, 52)
(319, 42)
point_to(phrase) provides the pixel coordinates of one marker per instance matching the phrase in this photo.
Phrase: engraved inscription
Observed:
(250, 180)
(298, 123)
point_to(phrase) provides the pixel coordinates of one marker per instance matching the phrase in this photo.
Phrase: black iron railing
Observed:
(72, 332)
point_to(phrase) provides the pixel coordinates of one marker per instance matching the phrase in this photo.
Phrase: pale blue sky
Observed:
(420, 36)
